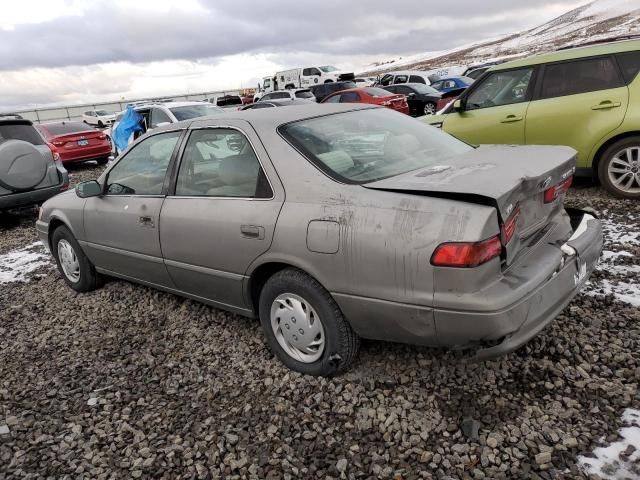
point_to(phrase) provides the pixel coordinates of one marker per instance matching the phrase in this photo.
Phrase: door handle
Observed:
(146, 222)
(511, 119)
(606, 105)
(252, 231)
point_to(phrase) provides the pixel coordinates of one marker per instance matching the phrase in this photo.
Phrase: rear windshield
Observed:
(227, 101)
(424, 89)
(304, 94)
(377, 92)
(368, 145)
(194, 111)
(66, 127)
(27, 133)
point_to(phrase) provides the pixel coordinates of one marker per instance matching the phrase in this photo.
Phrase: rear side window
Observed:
(22, 132)
(582, 76)
(349, 97)
(66, 127)
(630, 65)
(416, 79)
(401, 79)
(304, 94)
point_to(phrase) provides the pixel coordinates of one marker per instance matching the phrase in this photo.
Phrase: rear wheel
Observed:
(102, 161)
(619, 168)
(77, 270)
(304, 326)
(100, 124)
(429, 108)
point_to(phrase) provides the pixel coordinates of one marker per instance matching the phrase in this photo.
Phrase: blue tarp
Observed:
(130, 123)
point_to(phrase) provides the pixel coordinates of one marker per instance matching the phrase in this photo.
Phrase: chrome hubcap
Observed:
(68, 261)
(297, 328)
(624, 170)
(429, 109)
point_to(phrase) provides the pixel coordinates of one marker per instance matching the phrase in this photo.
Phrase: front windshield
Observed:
(194, 111)
(102, 113)
(424, 89)
(368, 145)
(328, 68)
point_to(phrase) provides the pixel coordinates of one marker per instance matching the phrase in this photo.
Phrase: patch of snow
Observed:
(620, 459)
(623, 288)
(16, 265)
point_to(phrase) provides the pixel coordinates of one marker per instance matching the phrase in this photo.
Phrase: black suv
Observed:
(30, 169)
(323, 90)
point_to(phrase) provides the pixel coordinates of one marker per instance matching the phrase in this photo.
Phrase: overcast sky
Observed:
(74, 51)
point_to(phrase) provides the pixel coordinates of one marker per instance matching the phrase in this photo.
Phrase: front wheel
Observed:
(619, 168)
(429, 108)
(77, 270)
(304, 326)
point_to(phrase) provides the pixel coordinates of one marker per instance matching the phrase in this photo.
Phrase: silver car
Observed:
(333, 223)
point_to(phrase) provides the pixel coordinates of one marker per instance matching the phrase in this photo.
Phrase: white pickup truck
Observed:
(309, 76)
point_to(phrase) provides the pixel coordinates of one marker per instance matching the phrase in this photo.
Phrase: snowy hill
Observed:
(596, 20)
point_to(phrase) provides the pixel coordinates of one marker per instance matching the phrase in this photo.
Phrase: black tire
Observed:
(89, 279)
(608, 157)
(429, 108)
(102, 161)
(341, 342)
(100, 124)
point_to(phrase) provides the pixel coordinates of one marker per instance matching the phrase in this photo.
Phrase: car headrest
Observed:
(239, 169)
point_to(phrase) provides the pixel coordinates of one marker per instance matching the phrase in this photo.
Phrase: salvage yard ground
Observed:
(130, 382)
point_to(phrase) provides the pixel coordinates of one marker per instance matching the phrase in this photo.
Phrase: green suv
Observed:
(587, 98)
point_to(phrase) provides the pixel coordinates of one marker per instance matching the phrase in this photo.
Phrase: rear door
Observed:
(577, 103)
(221, 212)
(495, 109)
(121, 226)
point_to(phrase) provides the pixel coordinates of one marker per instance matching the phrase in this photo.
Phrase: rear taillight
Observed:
(54, 152)
(551, 193)
(509, 226)
(466, 254)
(102, 136)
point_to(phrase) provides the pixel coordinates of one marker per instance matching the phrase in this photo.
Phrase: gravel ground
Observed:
(129, 382)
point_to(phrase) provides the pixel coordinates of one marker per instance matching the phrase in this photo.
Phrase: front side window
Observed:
(142, 170)
(582, 76)
(219, 162)
(630, 65)
(401, 79)
(386, 80)
(328, 69)
(368, 145)
(267, 83)
(501, 88)
(436, 85)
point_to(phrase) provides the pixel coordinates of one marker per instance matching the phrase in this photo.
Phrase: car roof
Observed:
(287, 101)
(169, 104)
(267, 118)
(572, 53)
(409, 72)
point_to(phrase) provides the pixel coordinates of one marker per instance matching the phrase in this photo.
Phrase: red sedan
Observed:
(77, 142)
(373, 95)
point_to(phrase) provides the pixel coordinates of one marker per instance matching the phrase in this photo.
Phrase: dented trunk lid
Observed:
(509, 178)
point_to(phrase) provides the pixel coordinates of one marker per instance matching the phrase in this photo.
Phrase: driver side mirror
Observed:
(88, 189)
(458, 106)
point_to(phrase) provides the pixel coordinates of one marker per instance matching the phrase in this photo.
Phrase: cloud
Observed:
(81, 50)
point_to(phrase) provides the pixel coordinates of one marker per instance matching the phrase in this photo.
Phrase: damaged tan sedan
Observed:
(335, 223)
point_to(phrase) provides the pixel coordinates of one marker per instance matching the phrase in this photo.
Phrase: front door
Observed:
(495, 110)
(578, 103)
(221, 213)
(121, 226)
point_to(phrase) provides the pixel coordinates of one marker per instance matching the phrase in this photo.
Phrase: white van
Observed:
(308, 76)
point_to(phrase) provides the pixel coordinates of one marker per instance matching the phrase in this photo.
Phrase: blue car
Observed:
(445, 85)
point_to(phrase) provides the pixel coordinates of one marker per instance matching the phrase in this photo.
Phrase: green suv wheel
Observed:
(619, 168)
